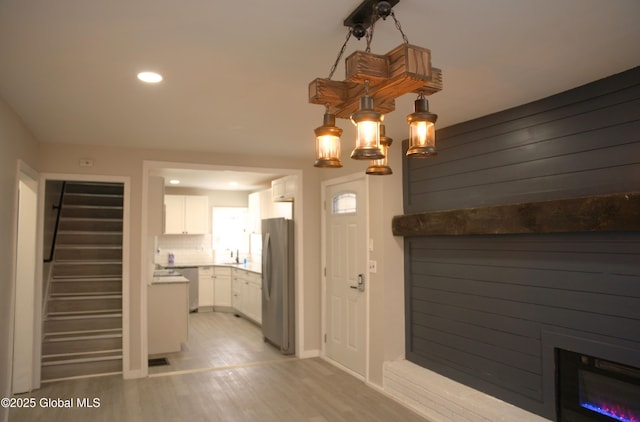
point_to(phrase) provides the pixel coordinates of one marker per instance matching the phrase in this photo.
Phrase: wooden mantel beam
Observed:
(604, 213)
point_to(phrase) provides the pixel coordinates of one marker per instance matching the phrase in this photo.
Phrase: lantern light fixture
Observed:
(375, 78)
(381, 167)
(328, 143)
(367, 122)
(422, 131)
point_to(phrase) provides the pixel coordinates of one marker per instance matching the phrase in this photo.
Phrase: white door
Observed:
(346, 284)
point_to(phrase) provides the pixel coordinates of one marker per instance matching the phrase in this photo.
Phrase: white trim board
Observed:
(441, 399)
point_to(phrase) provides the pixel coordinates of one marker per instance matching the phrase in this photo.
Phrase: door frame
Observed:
(148, 166)
(323, 265)
(31, 179)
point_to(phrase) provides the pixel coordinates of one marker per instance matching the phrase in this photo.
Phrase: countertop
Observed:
(255, 267)
(169, 279)
(168, 276)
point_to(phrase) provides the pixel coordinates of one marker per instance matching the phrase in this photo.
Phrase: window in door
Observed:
(344, 203)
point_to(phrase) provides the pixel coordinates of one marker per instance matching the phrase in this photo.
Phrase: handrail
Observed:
(58, 207)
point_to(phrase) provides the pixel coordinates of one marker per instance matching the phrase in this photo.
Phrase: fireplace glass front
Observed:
(593, 390)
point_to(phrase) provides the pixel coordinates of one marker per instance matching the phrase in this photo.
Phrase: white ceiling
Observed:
(217, 179)
(236, 72)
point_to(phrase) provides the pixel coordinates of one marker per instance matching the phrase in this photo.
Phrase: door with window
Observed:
(346, 284)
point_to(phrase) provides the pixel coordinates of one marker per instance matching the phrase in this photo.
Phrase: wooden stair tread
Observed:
(87, 295)
(67, 358)
(93, 195)
(92, 232)
(90, 331)
(91, 219)
(96, 314)
(79, 313)
(87, 261)
(110, 207)
(88, 246)
(85, 277)
(83, 296)
(82, 336)
(80, 279)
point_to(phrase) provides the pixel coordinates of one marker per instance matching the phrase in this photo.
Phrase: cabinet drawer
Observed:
(222, 271)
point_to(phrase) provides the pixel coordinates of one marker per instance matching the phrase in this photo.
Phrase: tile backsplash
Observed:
(186, 249)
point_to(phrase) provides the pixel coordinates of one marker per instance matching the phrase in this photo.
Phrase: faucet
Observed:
(237, 256)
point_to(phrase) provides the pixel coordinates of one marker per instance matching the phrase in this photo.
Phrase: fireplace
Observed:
(590, 389)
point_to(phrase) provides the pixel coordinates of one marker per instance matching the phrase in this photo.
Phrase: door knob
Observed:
(360, 286)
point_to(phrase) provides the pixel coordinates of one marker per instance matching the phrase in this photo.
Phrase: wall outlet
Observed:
(373, 266)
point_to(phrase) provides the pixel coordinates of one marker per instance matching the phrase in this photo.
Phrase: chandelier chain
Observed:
(404, 37)
(370, 31)
(344, 46)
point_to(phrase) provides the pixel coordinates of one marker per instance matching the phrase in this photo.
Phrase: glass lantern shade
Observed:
(328, 143)
(380, 166)
(422, 131)
(367, 122)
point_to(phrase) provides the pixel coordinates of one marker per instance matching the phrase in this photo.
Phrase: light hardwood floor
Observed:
(248, 381)
(218, 339)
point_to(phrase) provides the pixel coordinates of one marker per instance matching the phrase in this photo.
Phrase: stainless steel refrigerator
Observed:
(278, 294)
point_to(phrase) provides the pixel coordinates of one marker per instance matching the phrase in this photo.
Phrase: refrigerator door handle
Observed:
(266, 267)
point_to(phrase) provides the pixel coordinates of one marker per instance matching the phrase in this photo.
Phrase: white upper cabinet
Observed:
(186, 214)
(262, 205)
(284, 189)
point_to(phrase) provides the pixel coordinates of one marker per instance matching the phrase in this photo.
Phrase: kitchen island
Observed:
(168, 312)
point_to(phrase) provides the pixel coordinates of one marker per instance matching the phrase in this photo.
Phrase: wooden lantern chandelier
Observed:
(371, 85)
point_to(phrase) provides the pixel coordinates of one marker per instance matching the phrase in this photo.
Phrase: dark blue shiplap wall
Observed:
(488, 311)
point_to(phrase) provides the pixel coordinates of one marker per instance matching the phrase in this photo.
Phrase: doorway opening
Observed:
(221, 333)
(83, 285)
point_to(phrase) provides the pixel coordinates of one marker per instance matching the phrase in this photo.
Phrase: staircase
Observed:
(82, 330)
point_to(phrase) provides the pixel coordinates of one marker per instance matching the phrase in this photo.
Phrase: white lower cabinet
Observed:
(205, 288)
(232, 288)
(247, 294)
(214, 287)
(222, 287)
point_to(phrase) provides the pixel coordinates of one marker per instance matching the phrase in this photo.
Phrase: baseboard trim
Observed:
(306, 354)
(133, 374)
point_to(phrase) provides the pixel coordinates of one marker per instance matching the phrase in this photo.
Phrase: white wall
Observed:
(16, 143)
(116, 161)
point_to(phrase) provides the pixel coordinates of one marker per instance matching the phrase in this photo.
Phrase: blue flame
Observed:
(606, 412)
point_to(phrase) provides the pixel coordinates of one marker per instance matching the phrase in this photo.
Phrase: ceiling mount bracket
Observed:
(363, 13)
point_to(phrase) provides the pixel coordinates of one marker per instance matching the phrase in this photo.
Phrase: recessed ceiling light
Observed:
(150, 77)
(233, 184)
(174, 182)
